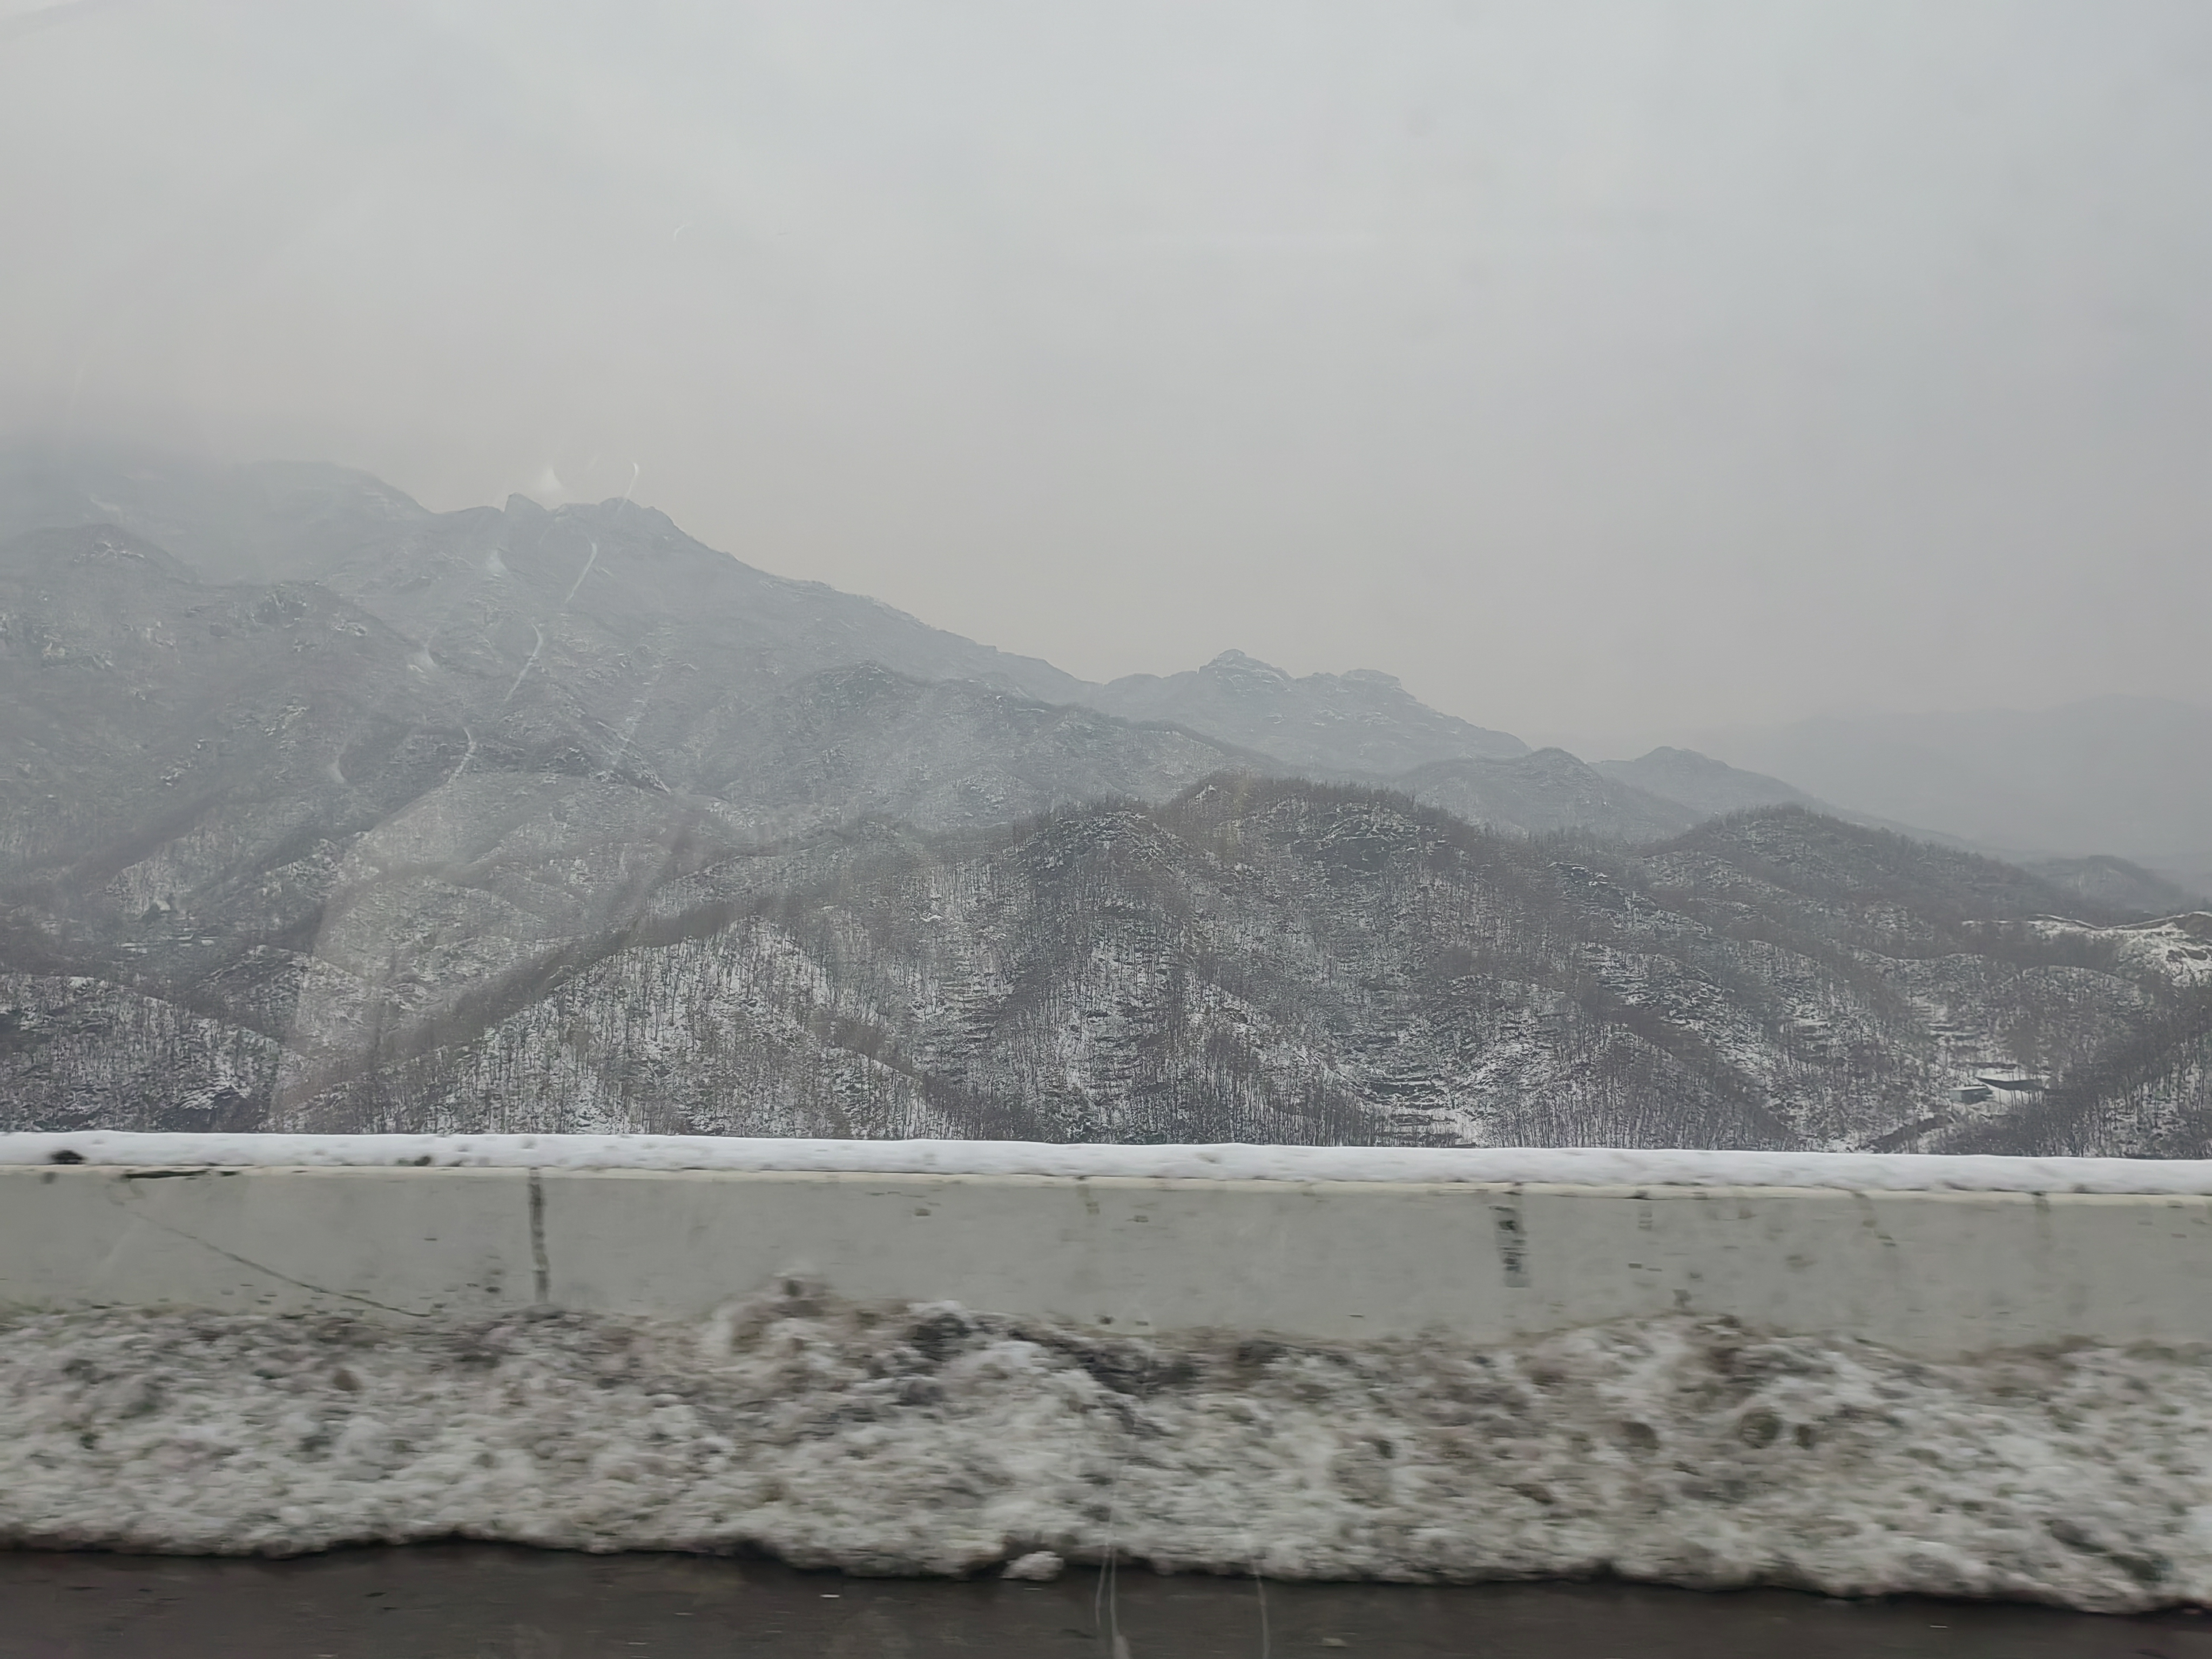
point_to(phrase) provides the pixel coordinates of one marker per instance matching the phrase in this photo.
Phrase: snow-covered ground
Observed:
(1565, 1166)
(929, 1440)
(2179, 947)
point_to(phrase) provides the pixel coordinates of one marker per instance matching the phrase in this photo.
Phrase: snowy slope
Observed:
(561, 821)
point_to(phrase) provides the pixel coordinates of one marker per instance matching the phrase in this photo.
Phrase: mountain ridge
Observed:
(534, 818)
(2112, 776)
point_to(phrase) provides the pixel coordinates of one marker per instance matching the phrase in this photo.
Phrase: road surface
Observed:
(484, 1601)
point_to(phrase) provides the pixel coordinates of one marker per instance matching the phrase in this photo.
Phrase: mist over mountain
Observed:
(651, 651)
(2130, 777)
(1545, 790)
(611, 592)
(320, 809)
(1360, 722)
(1704, 785)
(2109, 884)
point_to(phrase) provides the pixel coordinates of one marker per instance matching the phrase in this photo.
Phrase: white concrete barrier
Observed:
(1934, 1256)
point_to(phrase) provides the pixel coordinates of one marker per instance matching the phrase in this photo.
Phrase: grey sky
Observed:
(1604, 370)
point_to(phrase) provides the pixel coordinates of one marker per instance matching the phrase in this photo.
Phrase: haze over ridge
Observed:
(2115, 776)
(1726, 363)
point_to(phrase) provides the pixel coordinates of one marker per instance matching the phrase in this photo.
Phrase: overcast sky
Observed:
(1606, 371)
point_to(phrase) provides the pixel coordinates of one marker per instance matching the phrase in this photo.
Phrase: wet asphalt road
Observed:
(483, 1601)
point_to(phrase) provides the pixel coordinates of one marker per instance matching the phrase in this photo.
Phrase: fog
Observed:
(1604, 371)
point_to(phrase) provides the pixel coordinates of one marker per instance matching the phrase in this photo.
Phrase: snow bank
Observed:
(924, 1439)
(1565, 1166)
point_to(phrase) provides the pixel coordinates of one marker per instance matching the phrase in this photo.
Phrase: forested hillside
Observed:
(538, 820)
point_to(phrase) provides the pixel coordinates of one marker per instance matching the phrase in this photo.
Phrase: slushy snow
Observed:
(927, 1439)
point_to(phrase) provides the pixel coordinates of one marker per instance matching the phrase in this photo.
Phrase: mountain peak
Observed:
(1231, 664)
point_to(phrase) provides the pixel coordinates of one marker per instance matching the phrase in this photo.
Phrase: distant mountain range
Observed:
(320, 809)
(2126, 777)
(605, 630)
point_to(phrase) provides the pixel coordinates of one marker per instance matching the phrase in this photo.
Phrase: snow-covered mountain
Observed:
(318, 809)
(653, 655)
